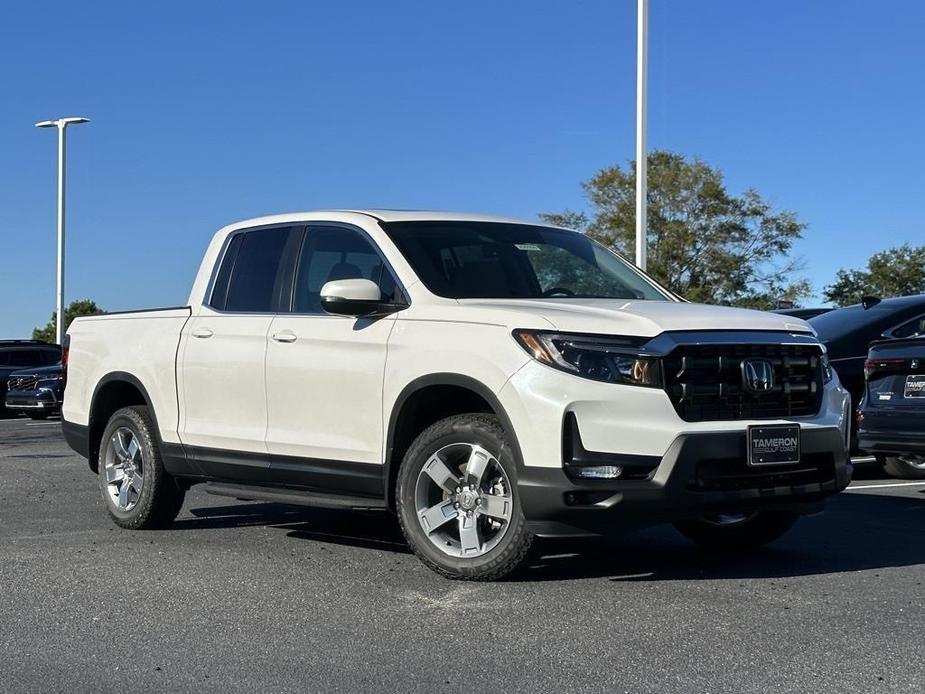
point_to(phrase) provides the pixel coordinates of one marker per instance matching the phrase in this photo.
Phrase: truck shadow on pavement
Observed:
(349, 528)
(857, 532)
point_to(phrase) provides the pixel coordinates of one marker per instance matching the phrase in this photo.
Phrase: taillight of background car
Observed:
(65, 350)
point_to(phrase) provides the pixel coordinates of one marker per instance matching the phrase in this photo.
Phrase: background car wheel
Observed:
(457, 499)
(137, 491)
(907, 467)
(737, 531)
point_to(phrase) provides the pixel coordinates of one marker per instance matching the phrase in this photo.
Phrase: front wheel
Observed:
(138, 492)
(906, 467)
(739, 531)
(457, 499)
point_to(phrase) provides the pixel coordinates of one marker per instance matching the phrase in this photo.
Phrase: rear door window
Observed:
(914, 327)
(255, 270)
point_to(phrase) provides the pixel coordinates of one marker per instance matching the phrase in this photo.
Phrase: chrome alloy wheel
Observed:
(124, 469)
(915, 461)
(463, 500)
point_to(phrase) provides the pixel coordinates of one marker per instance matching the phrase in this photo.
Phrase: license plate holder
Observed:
(915, 386)
(773, 444)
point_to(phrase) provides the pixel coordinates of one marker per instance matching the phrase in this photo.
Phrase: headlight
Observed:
(49, 382)
(607, 359)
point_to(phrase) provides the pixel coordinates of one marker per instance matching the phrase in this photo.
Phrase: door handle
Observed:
(202, 332)
(286, 337)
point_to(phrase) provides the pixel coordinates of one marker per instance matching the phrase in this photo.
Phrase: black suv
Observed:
(847, 333)
(891, 420)
(23, 354)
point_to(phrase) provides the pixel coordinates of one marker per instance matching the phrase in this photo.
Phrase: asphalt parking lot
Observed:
(243, 596)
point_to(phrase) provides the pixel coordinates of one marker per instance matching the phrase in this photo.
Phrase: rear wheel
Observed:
(457, 499)
(137, 491)
(907, 467)
(737, 531)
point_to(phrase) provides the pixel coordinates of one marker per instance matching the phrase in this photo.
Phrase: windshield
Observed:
(489, 260)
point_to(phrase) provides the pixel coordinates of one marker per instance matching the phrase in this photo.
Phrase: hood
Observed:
(640, 318)
(47, 371)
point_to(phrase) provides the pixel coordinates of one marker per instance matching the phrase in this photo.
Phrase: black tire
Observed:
(40, 414)
(753, 531)
(904, 469)
(511, 550)
(161, 497)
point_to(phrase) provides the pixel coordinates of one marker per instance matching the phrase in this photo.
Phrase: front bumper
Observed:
(41, 399)
(700, 474)
(888, 431)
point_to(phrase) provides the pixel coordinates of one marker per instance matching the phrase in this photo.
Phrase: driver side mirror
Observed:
(355, 297)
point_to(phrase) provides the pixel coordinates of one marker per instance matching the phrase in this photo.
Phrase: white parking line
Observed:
(43, 424)
(889, 484)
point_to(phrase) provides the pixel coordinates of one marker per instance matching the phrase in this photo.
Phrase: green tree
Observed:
(703, 243)
(81, 307)
(893, 272)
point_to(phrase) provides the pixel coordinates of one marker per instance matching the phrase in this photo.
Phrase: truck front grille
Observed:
(707, 382)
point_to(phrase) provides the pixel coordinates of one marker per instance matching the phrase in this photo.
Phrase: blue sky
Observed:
(205, 113)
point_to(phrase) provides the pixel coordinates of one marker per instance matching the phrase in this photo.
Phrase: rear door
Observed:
(222, 358)
(324, 372)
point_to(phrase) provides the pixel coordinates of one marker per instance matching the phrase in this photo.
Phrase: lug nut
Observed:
(456, 505)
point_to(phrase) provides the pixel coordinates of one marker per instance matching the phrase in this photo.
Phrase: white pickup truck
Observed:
(488, 380)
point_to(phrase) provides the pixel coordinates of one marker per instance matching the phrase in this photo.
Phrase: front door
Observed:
(324, 373)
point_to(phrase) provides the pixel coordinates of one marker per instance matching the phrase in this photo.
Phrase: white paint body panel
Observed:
(620, 419)
(222, 382)
(324, 390)
(141, 344)
(639, 318)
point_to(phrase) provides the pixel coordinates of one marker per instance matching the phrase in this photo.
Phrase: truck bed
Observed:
(142, 344)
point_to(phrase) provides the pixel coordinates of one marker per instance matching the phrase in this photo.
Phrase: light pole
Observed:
(61, 124)
(642, 46)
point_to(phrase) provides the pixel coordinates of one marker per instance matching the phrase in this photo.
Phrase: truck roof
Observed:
(383, 215)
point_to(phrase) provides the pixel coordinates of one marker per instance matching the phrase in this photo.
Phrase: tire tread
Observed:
(516, 550)
(158, 509)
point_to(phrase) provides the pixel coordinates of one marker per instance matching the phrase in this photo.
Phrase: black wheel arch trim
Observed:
(174, 457)
(445, 379)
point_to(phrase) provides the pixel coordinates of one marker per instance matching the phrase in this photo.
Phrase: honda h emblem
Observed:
(758, 375)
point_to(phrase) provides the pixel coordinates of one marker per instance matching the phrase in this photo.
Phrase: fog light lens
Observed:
(599, 472)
